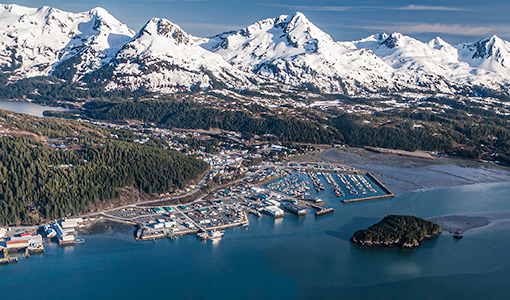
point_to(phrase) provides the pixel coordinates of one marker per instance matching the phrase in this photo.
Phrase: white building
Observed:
(3, 232)
(71, 223)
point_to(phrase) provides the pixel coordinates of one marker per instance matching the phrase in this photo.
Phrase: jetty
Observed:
(324, 211)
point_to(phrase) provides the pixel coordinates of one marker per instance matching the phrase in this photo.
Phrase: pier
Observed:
(320, 209)
(324, 211)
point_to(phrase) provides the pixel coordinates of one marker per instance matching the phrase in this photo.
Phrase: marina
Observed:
(272, 246)
(266, 253)
(293, 190)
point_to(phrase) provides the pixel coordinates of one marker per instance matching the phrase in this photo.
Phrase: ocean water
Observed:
(291, 258)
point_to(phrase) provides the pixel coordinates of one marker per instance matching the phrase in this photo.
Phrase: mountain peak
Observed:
(98, 10)
(392, 40)
(164, 28)
(489, 47)
(439, 44)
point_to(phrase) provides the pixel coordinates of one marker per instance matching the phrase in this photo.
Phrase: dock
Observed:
(293, 208)
(389, 194)
(324, 211)
(7, 259)
(320, 209)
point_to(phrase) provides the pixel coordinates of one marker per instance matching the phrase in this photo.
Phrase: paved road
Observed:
(199, 185)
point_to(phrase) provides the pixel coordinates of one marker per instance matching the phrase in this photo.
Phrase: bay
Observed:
(291, 258)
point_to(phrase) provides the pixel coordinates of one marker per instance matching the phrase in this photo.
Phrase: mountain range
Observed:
(95, 47)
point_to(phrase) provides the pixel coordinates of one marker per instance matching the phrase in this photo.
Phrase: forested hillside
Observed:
(42, 181)
(466, 131)
(190, 115)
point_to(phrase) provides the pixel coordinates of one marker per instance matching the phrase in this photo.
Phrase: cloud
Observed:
(453, 29)
(358, 8)
(209, 27)
(427, 7)
(310, 8)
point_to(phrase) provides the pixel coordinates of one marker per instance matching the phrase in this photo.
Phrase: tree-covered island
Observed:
(396, 230)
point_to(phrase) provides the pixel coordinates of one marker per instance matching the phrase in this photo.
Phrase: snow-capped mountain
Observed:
(36, 41)
(491, 54)
(439, 66)
(293, 50)
(93, 46)
(164, 58)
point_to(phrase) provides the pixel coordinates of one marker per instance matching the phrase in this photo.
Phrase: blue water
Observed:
(290, 258)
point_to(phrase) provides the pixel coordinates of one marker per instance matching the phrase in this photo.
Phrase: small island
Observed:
(396, 230)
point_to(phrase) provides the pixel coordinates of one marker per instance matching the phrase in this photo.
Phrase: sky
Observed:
(454, 20)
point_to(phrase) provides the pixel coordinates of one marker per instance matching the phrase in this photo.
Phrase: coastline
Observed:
(458, 224)
(404, 174)
(397, 172)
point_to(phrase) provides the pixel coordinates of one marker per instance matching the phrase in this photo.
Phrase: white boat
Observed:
(216, 234)
(274, 211)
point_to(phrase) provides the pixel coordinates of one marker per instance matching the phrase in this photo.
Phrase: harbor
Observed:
(294, 189)
(276, 248)
(269, 191)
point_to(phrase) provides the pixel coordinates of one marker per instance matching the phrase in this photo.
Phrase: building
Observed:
(71, 223)
(3, 232)
(274, 211)
(158, 225)
(17, 244)
(169, 224)
(67, 238)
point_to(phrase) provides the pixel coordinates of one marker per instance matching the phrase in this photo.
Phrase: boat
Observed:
(274, 211)
(216, 234)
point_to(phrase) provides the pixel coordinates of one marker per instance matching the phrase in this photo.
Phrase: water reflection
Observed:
(28, 107)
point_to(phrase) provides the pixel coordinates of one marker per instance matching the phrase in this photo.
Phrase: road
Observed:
(199, 185)
(102, 212)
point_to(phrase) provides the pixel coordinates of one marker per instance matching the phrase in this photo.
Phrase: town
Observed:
(224, 198)
(245, 177)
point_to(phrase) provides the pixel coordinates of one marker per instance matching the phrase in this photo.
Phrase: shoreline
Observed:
(397, 183)
(460, 223)
(403, 174)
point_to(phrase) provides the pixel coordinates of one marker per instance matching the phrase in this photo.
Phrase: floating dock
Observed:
(324, 211)
(389, 194)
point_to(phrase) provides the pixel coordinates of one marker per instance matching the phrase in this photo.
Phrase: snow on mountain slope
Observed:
(293, 50)
(93, 46)
(33, 41)
(491, 54)
(437, 65)
(162, 57)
